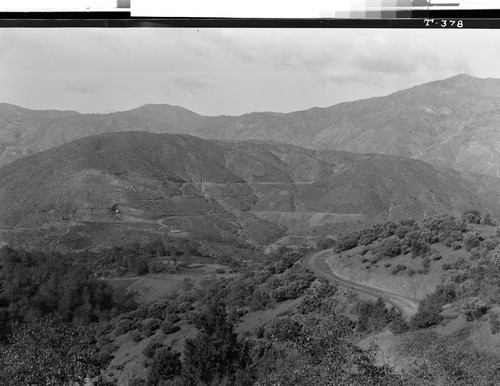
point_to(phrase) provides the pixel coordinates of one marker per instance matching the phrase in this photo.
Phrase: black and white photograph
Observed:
(249, 206)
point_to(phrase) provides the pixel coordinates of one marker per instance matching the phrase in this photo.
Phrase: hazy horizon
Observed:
(230, 71)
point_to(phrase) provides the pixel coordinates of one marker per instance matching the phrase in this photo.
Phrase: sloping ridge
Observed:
(145, 176)
(133, 168)
(451, 122)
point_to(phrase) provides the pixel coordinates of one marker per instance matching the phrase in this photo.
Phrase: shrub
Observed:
(391, 247)
(426, 317)
(387, 265)
(260, 300)
(398, 268)
(399, 325)
(372, 315)
(119, 318)
(468, 287)
(283, 329)
(325, 243)
(124, 326)
(430, 236)
(473, 308)
(437, 257)
(142, 312)
(489, 244)
(456, 245)
(460, 264)
(172, 318)
(426, 265)
(402, 231)
(216, 352)
(166, 365)
(495, 323)
(103, 329)
(169, 328)
(419, 248)
(168, 325)
(135, 336)
(287, 261)
(376, 247)
(292, 284)
(472, 216)
(347, 242)
(368, 235)
(137, 382)
(150, 349)
(471, 240)
(151, 326)
(156, 310)
(487, 220)
(411, 272)
(429, 309)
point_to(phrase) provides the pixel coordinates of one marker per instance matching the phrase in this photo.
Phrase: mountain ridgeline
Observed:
(452, 122)
(105, 188)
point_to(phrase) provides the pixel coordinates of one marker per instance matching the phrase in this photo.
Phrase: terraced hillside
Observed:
(109, 188)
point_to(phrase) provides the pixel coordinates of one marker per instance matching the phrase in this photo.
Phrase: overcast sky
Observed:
(230, 71)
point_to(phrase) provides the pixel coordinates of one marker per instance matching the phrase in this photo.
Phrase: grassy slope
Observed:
(469, 335)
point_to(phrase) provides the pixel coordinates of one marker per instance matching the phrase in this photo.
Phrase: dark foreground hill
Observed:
(125, 186)
(452, 122)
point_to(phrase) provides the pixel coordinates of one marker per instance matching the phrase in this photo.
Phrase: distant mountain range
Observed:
(248, 191)
(452, 122)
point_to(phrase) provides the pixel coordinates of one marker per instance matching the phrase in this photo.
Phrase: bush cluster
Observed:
(373, 315)
(390, 239)
(429, 309)
(473, 308)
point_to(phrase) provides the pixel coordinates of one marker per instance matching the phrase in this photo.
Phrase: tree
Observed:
(325, 243)
(215, 353)
(373, 315)
(399, 325)
(487, 220)
(391, 246)
(347, 242)
(47, 351)
(471, 240)
(284, 329)
(428, 313)
(473, 308)
(472, 216)
(419, 248)
(329, 356)
(166, 365)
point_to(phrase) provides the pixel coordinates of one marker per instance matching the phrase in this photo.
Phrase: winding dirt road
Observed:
(316, 263)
